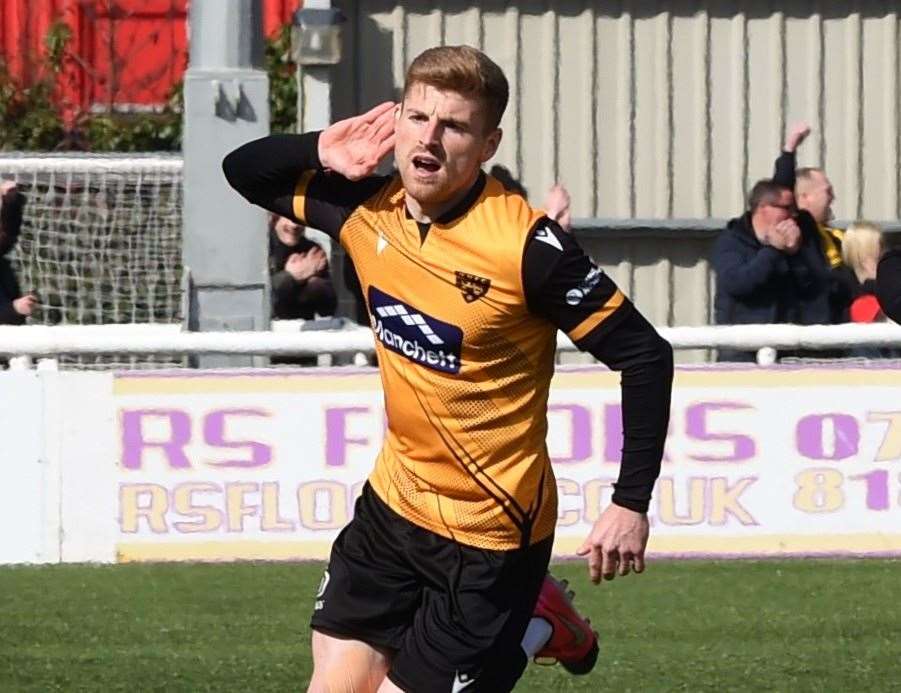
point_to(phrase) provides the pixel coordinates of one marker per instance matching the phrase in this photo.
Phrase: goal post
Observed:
(100, 243)
(101, 237)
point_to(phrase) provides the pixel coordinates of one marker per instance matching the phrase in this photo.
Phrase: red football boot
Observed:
(573, 643)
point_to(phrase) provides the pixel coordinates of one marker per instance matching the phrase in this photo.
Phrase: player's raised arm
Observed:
(283, 173)
(564, 285)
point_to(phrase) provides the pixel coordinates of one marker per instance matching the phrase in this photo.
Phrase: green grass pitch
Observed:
(803, 625)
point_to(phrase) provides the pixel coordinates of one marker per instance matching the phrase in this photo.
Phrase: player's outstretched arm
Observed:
(354, 147)
(616, 544)
(562, 284)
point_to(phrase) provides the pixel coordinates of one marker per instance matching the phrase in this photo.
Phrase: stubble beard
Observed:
(425, 192)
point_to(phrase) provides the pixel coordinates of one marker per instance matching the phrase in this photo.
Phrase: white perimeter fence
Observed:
(24, 344)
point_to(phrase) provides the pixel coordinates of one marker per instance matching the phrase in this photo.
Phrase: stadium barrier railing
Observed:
(25, 344)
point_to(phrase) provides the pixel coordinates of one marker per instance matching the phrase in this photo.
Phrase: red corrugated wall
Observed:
(121, 53)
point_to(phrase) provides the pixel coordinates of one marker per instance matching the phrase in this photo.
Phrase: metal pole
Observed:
(226, 104)
(314, 107)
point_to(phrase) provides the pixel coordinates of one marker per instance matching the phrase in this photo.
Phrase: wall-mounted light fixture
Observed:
(316, 36)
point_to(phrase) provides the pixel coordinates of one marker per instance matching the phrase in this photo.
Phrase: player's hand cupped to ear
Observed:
(354, 147)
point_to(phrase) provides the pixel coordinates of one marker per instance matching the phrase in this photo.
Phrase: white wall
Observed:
(226, 465)
(662, 110)
(29, 489)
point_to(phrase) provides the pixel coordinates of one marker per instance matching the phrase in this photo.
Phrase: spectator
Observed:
(298, 268)
(814, 194)
(556, 202)
(14, 306)
(861, 249)
(888, 284)
(769, 266)
(506, 178)
(557, 205)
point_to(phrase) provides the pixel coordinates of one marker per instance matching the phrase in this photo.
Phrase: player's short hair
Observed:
(465, 70)
(764, 192)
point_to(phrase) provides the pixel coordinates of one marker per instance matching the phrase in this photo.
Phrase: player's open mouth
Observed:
(426, 164)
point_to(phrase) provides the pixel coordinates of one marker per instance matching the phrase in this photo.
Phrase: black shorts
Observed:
(452, 615)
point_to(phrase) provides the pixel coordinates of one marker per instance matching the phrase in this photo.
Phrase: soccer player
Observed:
(434, 583)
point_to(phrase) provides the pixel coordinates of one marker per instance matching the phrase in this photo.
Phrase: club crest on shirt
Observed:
(472, 286)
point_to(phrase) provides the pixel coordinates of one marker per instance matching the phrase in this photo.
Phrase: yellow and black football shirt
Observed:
(465, 313)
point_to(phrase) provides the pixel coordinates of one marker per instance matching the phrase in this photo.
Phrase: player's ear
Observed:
(397, 109)
(492, 142)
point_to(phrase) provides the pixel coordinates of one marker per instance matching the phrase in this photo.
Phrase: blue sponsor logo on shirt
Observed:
(411, 333)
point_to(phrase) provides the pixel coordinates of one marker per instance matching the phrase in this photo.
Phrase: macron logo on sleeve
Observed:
(545, 235)
(413, 334)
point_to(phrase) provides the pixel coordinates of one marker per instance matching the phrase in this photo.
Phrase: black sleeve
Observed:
(808, 267)
(269, 171)
(9, 291)
(888, 284)
(784, 169)
(563, 285)
(10, 222)
(8, 315)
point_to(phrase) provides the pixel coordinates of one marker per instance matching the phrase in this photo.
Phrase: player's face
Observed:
(441, 145)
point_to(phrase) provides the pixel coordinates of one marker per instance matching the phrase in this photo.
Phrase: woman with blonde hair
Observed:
(861, 250)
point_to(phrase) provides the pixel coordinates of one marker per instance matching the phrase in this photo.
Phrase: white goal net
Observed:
(101, 238)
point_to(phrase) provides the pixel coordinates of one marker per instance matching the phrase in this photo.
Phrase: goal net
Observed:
(101, 238)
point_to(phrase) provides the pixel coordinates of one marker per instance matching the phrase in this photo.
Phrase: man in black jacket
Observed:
(888, 284)
(14, 307)
(769, 266)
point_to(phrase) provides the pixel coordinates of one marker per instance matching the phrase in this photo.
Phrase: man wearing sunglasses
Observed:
(769, 266)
